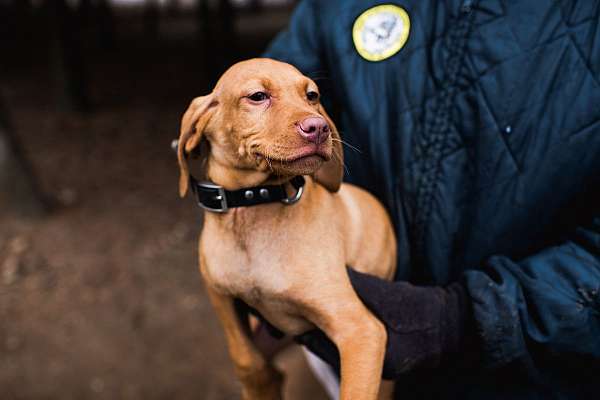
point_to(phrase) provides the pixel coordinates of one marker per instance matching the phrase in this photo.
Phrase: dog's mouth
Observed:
(306, 161)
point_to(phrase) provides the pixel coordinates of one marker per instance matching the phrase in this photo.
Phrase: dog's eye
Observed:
(258, 96)
(312, 96)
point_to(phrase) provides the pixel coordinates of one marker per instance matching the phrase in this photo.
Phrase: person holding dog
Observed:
(477, 124)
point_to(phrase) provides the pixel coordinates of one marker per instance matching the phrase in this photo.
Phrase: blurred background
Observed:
(100, 297)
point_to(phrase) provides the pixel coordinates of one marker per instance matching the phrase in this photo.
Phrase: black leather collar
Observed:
(215, 198)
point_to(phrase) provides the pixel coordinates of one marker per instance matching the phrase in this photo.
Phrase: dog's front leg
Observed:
(361, 340)
(361, 344)
(260, 380)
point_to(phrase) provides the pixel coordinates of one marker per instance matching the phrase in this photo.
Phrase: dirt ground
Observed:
(102, 299)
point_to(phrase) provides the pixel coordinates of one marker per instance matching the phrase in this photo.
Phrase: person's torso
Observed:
(481, 135)
(482, 130)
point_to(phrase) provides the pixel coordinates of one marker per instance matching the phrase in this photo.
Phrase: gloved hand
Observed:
(425, 325)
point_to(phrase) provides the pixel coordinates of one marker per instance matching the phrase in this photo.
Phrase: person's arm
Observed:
(426, 325)
(547, 305)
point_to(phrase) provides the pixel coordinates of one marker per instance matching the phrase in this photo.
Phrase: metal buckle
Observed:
(294, 199)
(220, 197)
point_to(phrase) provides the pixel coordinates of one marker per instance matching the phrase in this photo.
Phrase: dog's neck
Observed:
(238, 178)
(243, 222)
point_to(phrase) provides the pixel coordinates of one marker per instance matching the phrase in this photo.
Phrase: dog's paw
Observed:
(268, 393)
(263, 385)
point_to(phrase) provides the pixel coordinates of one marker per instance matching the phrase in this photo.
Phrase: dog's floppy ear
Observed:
(192, 127)
(331, 173)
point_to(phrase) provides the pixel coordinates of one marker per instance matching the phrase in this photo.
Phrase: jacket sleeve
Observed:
(546, 305)
(300, 44)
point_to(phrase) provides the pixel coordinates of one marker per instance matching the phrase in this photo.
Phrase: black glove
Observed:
(425, 325)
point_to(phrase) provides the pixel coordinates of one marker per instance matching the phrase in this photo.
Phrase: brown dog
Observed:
(264, 125)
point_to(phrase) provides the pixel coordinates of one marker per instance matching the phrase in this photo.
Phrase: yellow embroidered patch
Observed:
(381, 31)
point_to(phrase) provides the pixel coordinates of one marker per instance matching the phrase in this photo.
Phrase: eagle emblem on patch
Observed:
(381, 31)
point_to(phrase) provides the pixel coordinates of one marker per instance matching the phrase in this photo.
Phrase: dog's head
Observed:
(263, 119)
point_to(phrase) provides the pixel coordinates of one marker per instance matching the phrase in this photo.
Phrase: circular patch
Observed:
(380, 32)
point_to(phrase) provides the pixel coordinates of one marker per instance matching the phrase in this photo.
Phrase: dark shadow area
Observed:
(100, 297)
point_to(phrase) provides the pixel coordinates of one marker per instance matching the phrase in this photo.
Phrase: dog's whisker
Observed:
(268, 159)
(337, 158)
(351, 147)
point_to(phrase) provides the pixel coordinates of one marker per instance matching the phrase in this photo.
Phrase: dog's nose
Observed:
(313, 129)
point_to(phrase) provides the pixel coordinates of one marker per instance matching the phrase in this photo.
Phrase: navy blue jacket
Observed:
(482, 138)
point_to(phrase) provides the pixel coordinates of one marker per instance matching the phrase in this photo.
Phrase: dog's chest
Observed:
(248, 274)
(263, 281)
(265, 267)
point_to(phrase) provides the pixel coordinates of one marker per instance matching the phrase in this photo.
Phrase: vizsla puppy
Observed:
(261, 129)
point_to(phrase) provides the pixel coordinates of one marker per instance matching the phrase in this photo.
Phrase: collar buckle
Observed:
(218, 194)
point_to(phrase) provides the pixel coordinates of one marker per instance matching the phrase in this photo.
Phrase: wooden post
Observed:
(217, 36)
(151, 19)
(67, 56)
(226, 16)
(255, 6)
(106, 24)
(19, 192)
(99, 15)
(206, 40)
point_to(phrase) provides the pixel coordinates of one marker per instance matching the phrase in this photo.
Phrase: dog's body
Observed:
(254, 253)
(287, 261)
